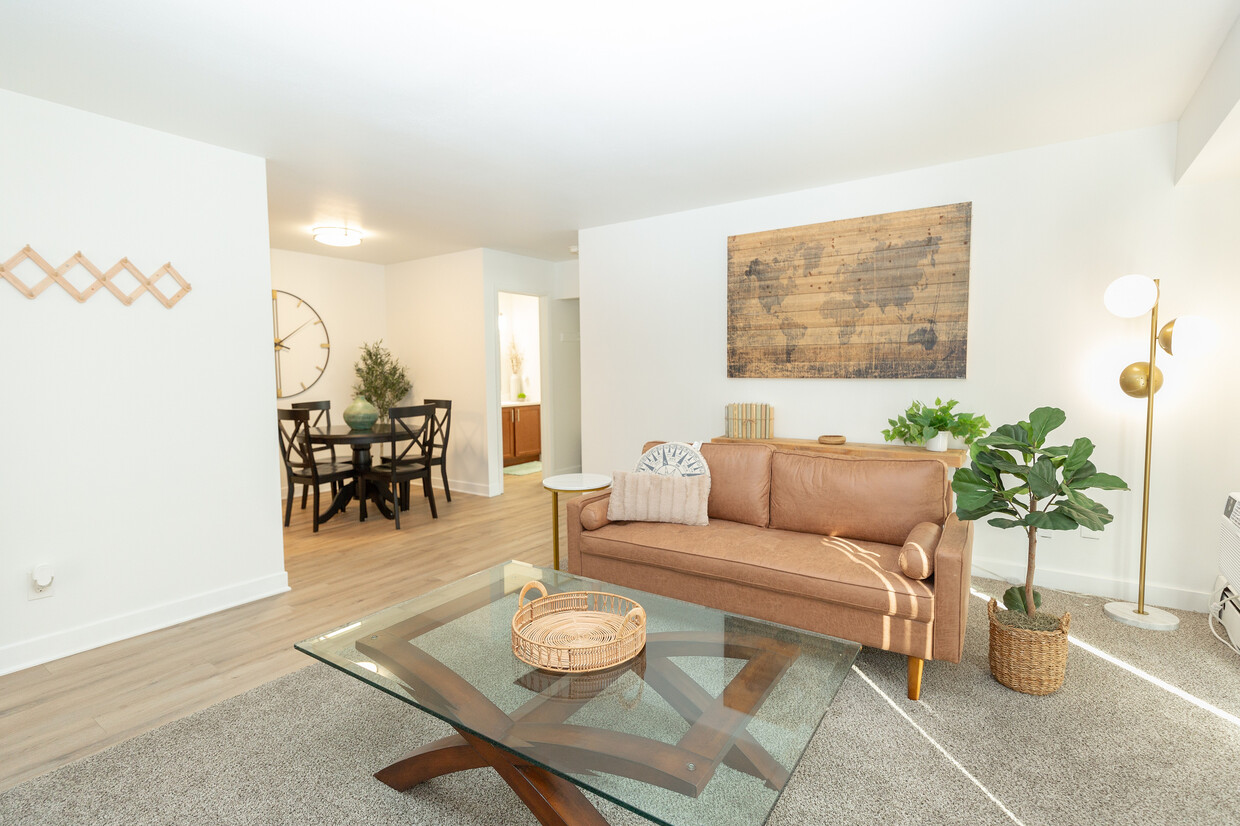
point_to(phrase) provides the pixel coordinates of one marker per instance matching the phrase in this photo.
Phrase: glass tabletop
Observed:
(704, 727)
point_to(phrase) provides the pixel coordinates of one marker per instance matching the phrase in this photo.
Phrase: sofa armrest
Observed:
(575, 506)
(953, 565)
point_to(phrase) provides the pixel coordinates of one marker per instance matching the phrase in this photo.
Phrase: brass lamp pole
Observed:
(1129, 297)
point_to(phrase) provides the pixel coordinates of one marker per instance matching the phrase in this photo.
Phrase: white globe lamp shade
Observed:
(1131, 295)
(1193, 335)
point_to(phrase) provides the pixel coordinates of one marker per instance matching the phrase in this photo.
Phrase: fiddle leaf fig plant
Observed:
(1027, 485)
(921, 423)
(381, 379)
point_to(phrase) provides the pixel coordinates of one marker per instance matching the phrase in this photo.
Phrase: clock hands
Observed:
(280, 345)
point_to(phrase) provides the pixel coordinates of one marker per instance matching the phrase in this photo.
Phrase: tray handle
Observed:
(533, 583)
(638, 617)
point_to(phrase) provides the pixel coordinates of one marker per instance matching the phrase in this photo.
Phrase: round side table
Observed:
(569, 483)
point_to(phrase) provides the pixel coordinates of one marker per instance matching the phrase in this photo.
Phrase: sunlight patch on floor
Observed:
(1150, 678)
(939, 748)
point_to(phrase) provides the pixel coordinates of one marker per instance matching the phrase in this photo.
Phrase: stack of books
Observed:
(749, 421)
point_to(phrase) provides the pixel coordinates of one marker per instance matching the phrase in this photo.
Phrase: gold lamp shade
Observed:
(1135, 379)
(1165, 335)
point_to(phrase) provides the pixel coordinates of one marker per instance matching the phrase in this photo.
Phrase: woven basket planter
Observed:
(1030, 661)
(578, 631)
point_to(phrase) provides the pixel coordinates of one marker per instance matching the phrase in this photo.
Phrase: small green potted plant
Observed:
(381, 379)
(1021, 483)
(922, 424)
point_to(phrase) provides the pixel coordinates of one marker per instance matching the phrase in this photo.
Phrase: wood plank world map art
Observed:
(883, 297)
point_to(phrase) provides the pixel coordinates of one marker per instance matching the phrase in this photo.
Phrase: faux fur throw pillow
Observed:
(652, 497)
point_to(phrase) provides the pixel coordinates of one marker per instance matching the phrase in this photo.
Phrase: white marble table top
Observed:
(577, 481)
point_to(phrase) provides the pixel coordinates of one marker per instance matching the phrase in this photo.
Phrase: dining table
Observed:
(360, 442)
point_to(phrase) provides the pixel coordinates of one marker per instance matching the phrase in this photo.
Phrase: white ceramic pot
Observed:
(939, 443)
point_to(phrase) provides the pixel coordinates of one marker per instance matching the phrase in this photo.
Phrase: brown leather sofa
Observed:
(802, 539)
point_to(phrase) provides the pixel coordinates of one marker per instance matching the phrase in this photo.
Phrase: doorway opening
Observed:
(521, 383)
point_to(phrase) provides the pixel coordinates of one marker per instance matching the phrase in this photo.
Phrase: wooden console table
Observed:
(953, 458)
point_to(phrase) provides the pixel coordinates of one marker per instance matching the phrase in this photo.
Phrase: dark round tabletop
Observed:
(342, 434)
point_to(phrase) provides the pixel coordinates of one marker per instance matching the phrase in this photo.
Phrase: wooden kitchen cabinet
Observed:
(522, 433)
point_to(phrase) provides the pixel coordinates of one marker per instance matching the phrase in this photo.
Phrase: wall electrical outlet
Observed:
(42, 582)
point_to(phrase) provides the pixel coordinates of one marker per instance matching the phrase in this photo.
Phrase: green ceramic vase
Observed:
(361, 415)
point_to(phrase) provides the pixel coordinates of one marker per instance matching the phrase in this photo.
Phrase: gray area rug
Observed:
(1108, 748)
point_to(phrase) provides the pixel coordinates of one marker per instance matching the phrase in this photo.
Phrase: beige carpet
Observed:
(1109, 748)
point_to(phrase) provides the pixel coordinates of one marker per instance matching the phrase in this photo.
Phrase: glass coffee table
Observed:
(705, 726)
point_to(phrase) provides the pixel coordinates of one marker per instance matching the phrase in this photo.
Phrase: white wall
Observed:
(349, 297)
(1051, 228)
(566, 367)
(568, 279)
(137, 440)
(435, 325)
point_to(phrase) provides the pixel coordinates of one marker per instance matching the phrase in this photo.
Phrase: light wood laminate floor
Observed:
(58, 712)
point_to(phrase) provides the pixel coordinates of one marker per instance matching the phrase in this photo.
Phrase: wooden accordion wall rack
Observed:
(102, 280)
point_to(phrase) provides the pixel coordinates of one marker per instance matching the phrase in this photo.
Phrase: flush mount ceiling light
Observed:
(337, 236)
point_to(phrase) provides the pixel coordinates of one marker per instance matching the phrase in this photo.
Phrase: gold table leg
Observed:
(555, 529)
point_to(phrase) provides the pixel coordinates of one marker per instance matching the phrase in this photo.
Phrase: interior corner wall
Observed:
(1051, 228)
(436, 325)
(138, 440)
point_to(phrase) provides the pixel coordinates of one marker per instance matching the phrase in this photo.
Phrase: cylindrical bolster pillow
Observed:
(594, 515)
(917, 555)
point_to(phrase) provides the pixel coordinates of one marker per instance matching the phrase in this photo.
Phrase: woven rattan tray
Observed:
(578, 631)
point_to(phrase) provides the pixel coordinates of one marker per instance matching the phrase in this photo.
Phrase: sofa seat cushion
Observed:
(832, 569)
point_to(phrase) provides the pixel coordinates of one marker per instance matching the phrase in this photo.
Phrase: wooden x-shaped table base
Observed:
(517, 746)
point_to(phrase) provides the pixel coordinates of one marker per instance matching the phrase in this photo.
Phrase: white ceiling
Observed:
(451, 125)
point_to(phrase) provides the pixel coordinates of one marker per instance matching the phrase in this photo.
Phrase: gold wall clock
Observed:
(302, 345)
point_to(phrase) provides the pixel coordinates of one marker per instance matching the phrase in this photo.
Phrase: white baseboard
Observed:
(27, 653)
(1159, 595)
(472, 488)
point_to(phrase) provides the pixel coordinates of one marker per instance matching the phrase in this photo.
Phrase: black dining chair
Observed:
(322, 417)
(300, 464)
(410, 429)
(440, 431)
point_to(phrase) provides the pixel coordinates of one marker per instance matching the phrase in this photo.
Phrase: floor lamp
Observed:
(1129, 297)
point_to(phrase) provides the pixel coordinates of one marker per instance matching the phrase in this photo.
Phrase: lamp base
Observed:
(1154, 619)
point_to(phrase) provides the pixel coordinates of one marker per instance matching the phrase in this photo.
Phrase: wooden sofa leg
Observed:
(914, 677)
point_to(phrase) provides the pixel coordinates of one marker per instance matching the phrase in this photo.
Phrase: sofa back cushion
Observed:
(740, 482)
(876, 500)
